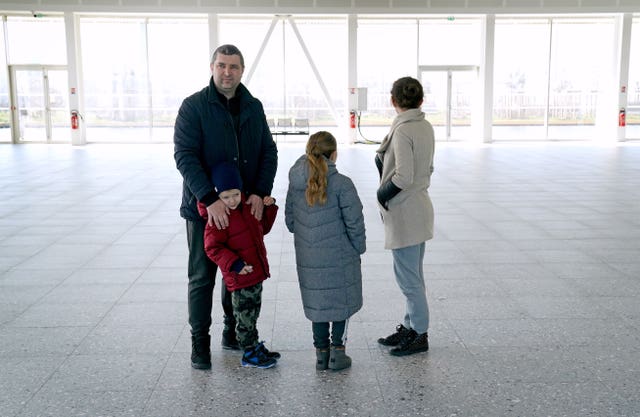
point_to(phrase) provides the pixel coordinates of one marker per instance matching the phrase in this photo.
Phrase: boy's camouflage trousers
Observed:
(246, 310)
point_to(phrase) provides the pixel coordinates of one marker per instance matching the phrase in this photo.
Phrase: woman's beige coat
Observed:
(407, 159)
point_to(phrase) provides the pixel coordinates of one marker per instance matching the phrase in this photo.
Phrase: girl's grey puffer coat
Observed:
(329, 240)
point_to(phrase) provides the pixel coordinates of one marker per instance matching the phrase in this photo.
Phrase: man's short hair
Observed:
(227, 50)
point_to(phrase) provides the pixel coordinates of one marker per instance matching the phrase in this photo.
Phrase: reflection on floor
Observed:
(533, 282)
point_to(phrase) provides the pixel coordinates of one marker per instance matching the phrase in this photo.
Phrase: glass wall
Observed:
(392, 48)
(36, 40)
(386, 51)
(248, 34)
(115, 77)
(449, 41)
(449, 74)
(137, 70)
(521, 68)
(581, 79)
(138, 75)
(284, 79)
(306, 90)
(178, 56)
(34, 43)
(546, 84)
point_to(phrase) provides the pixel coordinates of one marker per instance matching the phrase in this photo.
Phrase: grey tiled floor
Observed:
(533, 281)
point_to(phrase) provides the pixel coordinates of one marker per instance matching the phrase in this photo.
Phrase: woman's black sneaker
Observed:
(411, 343)
(394, 339)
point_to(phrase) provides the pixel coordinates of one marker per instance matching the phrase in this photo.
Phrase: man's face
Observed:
(227, 73)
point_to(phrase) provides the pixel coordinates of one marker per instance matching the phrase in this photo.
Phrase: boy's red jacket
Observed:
(242, 239)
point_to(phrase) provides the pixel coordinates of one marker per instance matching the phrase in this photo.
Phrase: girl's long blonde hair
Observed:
(320, 145)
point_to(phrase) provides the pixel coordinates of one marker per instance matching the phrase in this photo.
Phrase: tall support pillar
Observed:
(74, 71)
(214, 33)
(351, 132)
(485, 105)
(622, 72)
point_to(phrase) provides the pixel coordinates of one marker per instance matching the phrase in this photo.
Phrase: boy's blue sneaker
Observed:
(269, 354)
(256, 358)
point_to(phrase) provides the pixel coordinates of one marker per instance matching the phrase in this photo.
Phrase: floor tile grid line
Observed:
(431, 360)
(74, 270)
(631, 326)
(98, 324)
(44, 383)
(284, 231)
(87, 335)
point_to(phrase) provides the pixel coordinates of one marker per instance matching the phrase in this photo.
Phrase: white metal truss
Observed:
(307, 54)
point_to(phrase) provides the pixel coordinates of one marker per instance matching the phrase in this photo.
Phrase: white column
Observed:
(624, 52)
(485, 106)
(351, 134)
(74, 71)
(214, 33)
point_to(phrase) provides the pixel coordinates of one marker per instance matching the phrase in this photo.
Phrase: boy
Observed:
(241, 255)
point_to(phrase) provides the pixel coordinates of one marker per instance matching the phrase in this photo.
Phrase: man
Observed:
(222, 122)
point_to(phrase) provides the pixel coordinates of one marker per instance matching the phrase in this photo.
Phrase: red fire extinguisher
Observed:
(622, 122)
(352, 119)
(75, 123)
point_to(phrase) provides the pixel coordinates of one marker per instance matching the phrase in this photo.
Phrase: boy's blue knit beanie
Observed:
(226, 176)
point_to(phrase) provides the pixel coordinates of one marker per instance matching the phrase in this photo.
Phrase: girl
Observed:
(324, 213)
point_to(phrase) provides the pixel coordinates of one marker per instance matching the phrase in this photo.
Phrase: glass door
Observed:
(449, 96)
(40, 103)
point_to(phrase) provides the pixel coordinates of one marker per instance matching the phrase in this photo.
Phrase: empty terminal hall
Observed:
(319, 208)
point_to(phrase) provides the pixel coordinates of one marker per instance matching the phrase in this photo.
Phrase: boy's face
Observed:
(231, 198)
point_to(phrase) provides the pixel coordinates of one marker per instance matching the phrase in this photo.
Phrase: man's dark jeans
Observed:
(202, 279)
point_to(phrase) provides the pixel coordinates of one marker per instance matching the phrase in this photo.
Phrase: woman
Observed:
(405, 164)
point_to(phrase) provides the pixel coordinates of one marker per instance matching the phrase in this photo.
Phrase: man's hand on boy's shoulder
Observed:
(268, 200)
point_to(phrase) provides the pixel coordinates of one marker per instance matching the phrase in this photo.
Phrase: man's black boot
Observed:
(201, 352)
